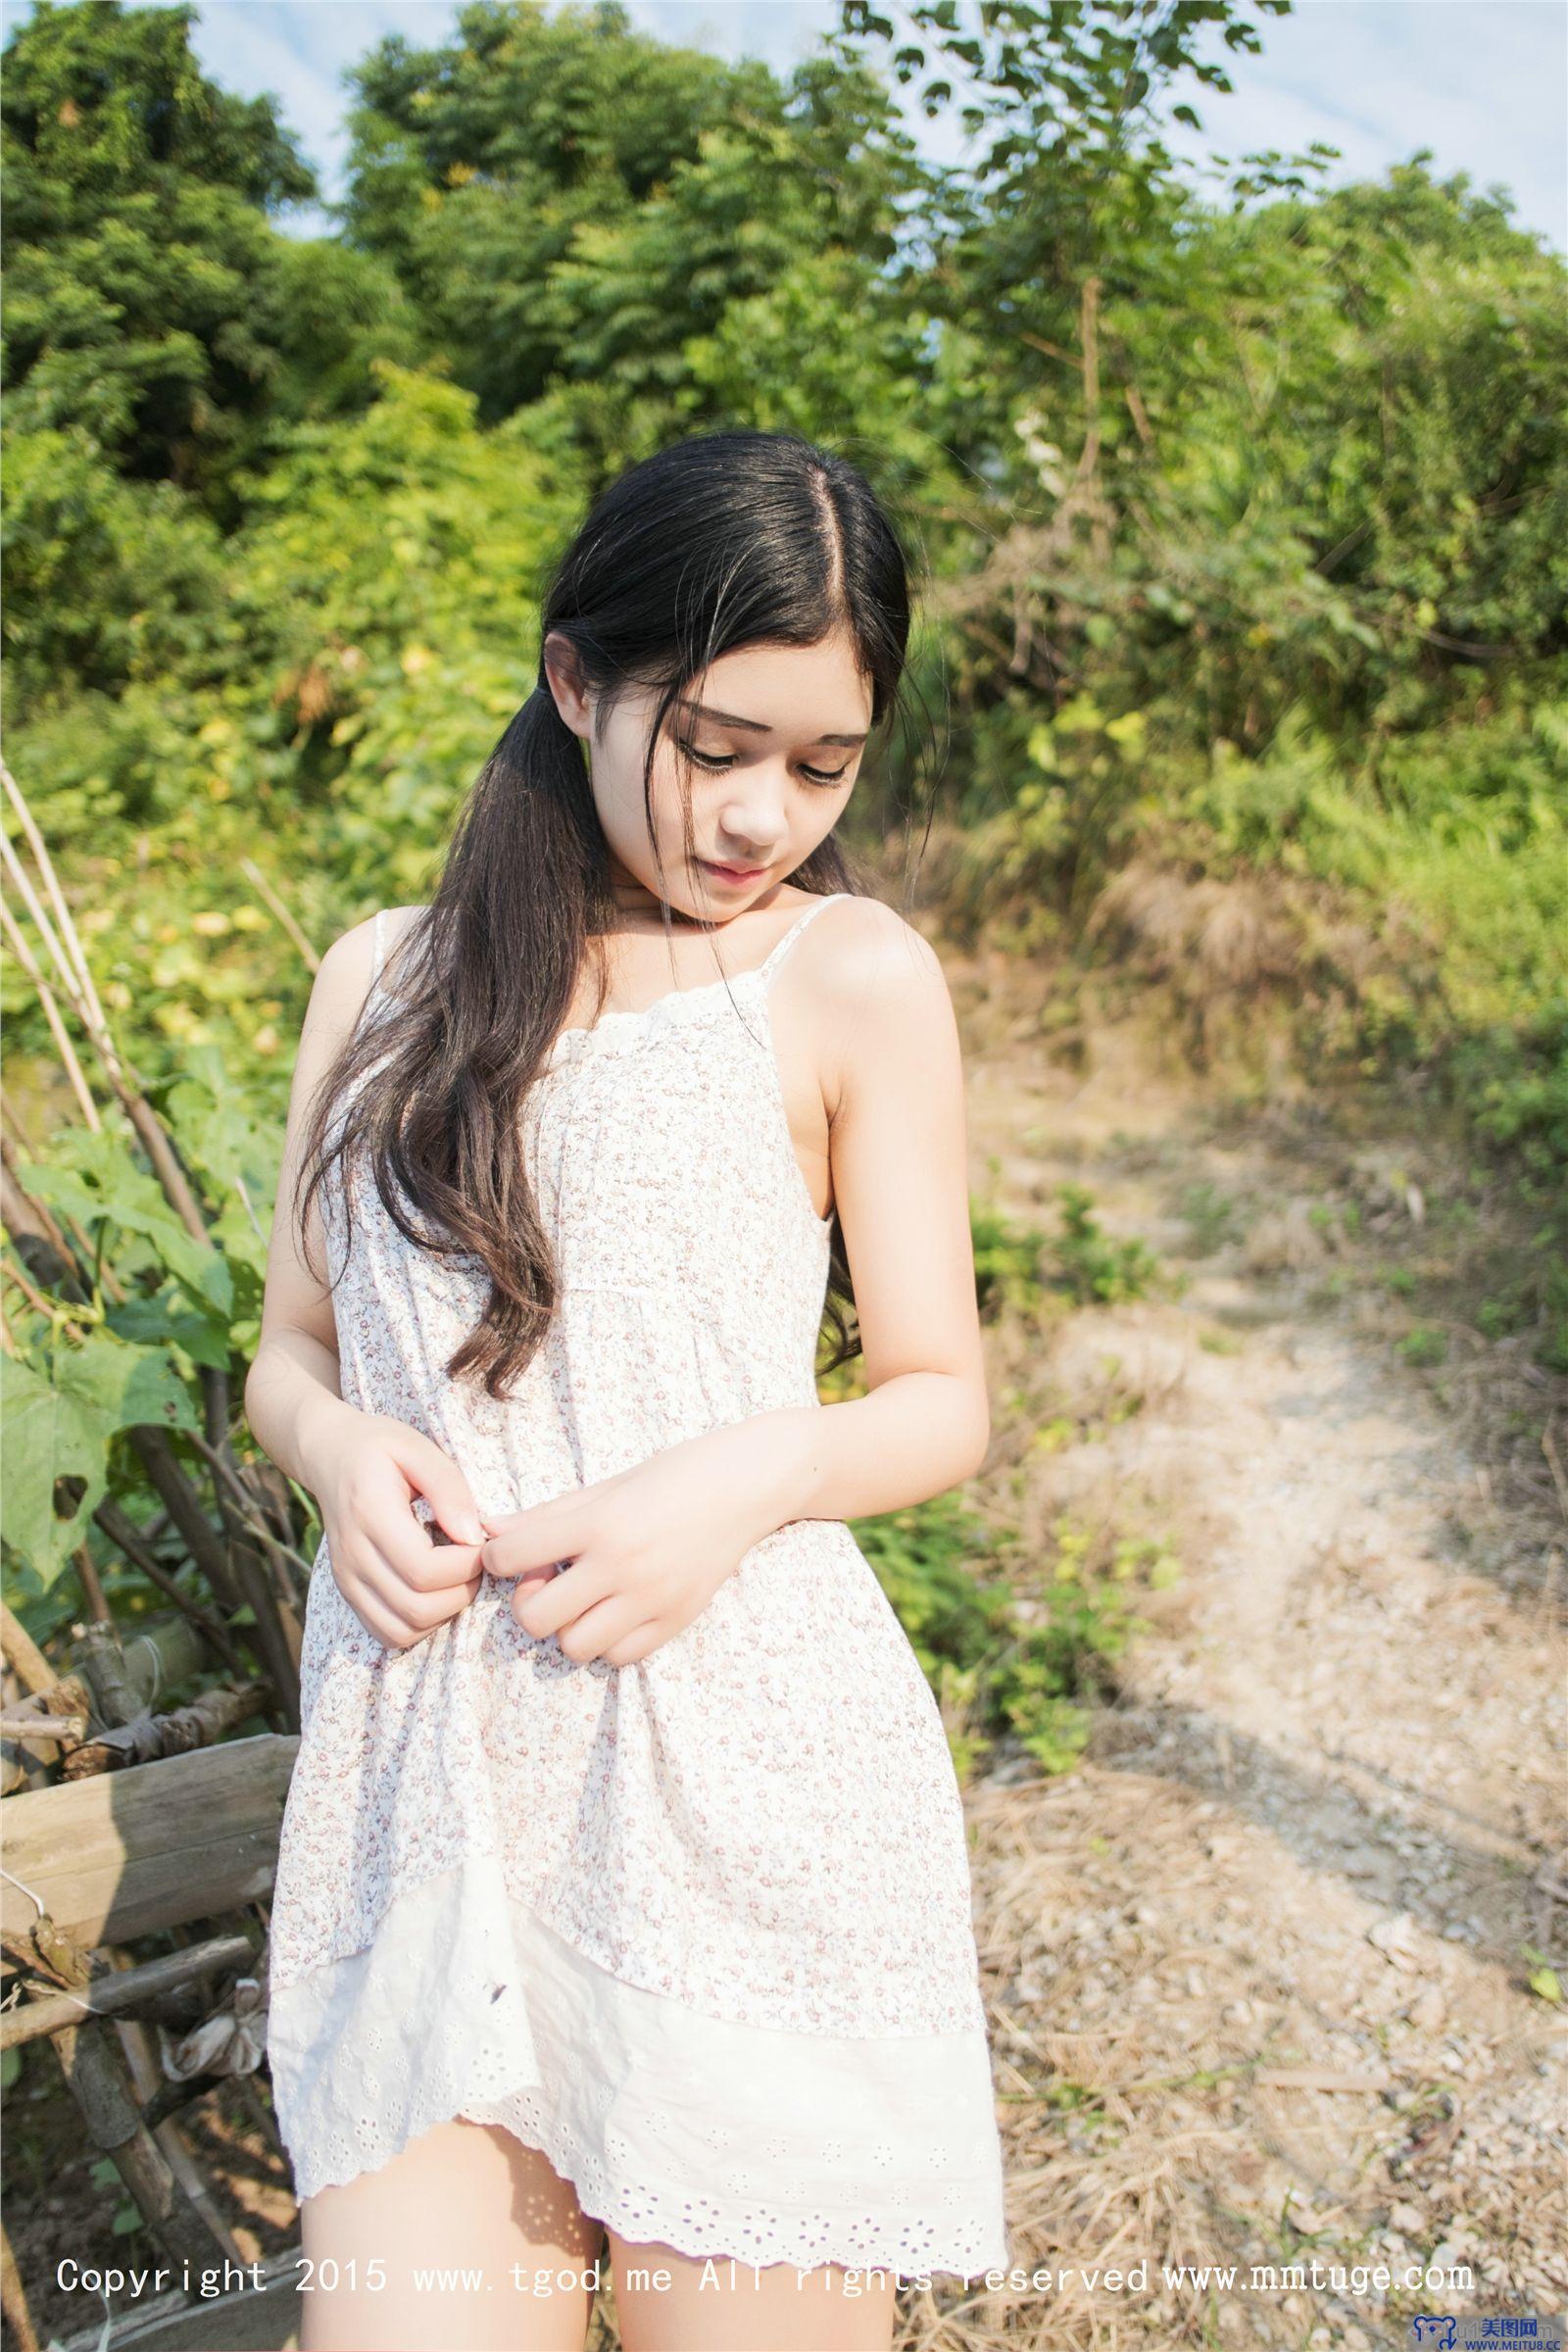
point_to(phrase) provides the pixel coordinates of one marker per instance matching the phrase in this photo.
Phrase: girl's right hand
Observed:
(400, 1584)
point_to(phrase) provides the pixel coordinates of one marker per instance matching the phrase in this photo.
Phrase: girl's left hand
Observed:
(645, 1551)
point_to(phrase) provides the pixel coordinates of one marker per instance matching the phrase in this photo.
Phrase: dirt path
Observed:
(1258, 1967)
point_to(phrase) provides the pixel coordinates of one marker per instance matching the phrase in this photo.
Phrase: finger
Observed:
(383, 1624)
(422, 1605)
(532, 1539)
(518, 1556)
(530, 1579)
(637, 1646)
(414, 1557)
(544, 1610)
(412, 1619)
(437, 1477)
(496, 1522)
(382, 1518)
(397, 1566)
(598, 1629)
(531, 1544)
(424, 1611)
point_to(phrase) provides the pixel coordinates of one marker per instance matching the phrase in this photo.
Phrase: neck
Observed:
(633, 898)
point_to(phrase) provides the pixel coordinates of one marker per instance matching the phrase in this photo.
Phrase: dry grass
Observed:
(1256, 1970)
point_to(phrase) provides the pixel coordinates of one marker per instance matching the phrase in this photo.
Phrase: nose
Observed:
(755, 823)
(757, 805)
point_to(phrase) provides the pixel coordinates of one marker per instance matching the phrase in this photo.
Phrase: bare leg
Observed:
(669, 2302)
(459, 2206)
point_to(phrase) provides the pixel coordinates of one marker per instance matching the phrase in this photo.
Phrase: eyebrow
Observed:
(755, 726)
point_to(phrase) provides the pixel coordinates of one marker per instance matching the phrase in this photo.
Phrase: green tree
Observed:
(151, 304)
(568, 201)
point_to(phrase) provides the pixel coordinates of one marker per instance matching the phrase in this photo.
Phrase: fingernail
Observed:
(470, 1530)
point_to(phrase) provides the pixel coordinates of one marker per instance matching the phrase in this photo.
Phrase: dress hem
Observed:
(709, 2138)
(719, 2246)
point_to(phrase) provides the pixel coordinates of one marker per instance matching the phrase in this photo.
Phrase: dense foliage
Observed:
(1244, 525)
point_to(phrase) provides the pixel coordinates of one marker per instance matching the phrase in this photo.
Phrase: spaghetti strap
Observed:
(378, 944)
(781, 947)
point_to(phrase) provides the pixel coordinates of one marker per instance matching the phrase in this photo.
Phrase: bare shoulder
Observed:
(867, 951)
(398, 921)
(348, 967)
(400, 926)
(879, 994)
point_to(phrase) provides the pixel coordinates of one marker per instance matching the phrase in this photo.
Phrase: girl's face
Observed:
(775, 737)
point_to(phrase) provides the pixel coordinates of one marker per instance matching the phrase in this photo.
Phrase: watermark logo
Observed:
(1487, 2331)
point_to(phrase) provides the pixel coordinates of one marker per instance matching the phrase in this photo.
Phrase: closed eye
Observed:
(718, 767)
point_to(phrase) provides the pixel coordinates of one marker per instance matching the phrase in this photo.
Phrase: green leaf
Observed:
(61, 1430)
(94, 1179)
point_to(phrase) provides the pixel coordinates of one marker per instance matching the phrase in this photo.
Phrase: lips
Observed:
(735, 873)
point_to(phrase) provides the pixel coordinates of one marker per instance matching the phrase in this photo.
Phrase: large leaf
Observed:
(94, 1179)
(61, 1429)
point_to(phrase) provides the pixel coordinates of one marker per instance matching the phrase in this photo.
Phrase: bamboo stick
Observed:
(121, 1990)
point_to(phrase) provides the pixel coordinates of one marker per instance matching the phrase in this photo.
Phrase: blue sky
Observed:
(1482, 82)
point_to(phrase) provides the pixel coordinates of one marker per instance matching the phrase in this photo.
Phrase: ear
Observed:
(563, 674)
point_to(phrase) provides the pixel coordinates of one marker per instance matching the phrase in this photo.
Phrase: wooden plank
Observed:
(156, 1845)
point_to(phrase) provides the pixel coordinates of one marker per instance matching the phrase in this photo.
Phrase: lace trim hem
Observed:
(700, 2227)
(700, 2134)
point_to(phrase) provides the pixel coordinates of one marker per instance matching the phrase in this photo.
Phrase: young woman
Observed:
(623, 1890)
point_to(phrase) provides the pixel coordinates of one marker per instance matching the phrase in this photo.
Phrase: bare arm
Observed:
(899, 1154)
(364, 1469)
(293, 1397)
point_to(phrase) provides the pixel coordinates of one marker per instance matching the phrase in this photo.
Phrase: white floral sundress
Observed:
(697, 1928)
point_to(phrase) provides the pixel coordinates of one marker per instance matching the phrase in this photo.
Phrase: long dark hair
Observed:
(721, 541)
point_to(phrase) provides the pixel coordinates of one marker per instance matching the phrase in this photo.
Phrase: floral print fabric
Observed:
(756, 1832)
